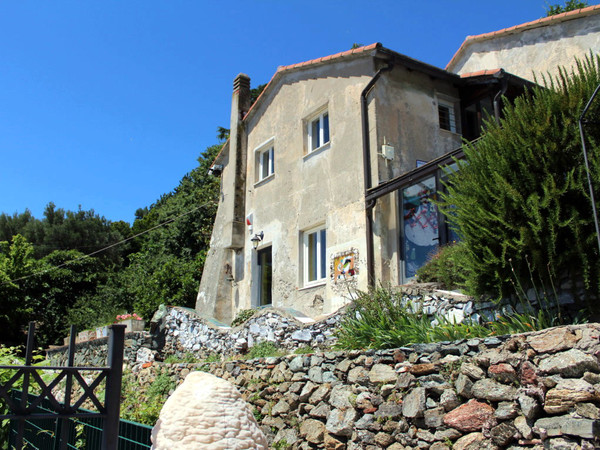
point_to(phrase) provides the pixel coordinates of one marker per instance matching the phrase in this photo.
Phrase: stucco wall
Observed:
(308, 190)
(532, 51)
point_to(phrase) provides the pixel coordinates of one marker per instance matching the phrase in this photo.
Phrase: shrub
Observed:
(243, 316)
(522, 190)
(264, 350)
(445, 267)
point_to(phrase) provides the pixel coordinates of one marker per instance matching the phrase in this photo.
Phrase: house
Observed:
(301, 160)
(534, 48)
(327, 179)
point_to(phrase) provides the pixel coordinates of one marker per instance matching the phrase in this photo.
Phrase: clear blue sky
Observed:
(107, 104)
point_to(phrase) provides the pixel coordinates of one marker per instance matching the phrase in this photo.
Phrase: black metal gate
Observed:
(23, 409)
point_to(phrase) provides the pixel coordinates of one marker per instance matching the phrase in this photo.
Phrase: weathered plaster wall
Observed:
(407, 118)
(533, 51)
(308, 190)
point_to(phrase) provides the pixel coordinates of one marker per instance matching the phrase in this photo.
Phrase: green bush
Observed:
(144, 406)
(379, 319)
(445, 267)
(522, 190)
(243, 316)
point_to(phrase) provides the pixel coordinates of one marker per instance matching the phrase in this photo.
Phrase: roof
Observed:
(366, 50)
(544, 21)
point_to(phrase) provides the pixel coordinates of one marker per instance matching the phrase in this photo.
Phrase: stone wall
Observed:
(538, 390)
(94, 353)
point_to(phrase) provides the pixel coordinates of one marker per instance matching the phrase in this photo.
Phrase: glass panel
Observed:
(265, 264)
(312, 257)
(315, 134)
(444, 113)
(271, 161)
(325, 128)
(264, 165)
(323, 255)
(420, 225)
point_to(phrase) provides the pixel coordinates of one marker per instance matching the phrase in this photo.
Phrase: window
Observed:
(318, 131)
(265, 163)
(315, 260)
(446, 114)
(264, 160)
(265, 276)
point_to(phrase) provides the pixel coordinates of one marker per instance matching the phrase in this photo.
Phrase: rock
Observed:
(464, 386)
(339, 397)
(364, 422)
(315, 374)
(523, 427)
(320, 411)
(414, 403)
(504, 373)
(389, 410)
(570, 364)
(384, 439)
(561, 444)
(566, 394)
(449, 400)
(289, 435)
(557, 426)
(529, 406)
(206, 412)
(493, 391)
(469, 417)
(503, 434)
(527, 374)
(312, 430)
(422, 369)
(587, 410)
(332, 443)
(472, 371)
(282, 407)
(320, 394)
(473, 441)
(448, 434)
(434, 418)
(296, 364)
(505, 411)
(302, 336)
(358, 375)
(405, 380)
(382, 373)
(307, 391)
(553, 340)
(340, 422)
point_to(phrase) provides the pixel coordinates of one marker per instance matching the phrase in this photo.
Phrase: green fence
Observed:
(83, 433)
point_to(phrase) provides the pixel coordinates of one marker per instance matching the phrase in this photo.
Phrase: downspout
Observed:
(502, 91)
(367, 171)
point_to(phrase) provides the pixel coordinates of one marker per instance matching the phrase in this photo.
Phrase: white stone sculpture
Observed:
(207, 412)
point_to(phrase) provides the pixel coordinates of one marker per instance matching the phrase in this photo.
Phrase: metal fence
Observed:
(83, 433)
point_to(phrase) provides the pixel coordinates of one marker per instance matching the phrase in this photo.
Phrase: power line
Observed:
(66, 263)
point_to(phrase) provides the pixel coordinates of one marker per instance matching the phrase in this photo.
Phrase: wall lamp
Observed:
(256, 239)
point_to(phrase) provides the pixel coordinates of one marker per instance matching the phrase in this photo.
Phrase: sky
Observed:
(108, 104)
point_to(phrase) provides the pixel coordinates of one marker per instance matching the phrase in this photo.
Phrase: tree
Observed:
(520, 199)
(570, 5)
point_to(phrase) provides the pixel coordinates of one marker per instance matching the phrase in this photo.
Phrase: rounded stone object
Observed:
(206, 412)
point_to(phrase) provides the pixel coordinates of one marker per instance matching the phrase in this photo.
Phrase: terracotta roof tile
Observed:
(522, 26)
(480, 73)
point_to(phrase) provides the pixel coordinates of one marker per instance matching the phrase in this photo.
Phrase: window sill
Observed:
(317, 150)
(453, 133)
(264, 180)
(314, 284)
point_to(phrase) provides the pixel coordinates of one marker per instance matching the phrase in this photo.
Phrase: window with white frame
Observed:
(265, 161)
(446, 115)
(318, 131)
(314, 255)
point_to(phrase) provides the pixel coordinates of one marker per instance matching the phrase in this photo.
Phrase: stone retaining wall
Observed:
(538, 390)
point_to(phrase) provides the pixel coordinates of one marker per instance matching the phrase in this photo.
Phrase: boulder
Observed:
(206, 412)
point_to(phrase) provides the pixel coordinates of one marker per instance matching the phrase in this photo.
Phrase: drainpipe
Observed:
(367, 171)
(502, 91)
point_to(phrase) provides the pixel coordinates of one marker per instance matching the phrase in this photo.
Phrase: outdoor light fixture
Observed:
(256, 239)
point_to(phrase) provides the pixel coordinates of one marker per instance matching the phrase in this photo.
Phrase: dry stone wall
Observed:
(538, 391)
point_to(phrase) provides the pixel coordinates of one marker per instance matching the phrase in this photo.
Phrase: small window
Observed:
(315, 256)
(266, 163)
(264, 160)
(318, 131)
(446, 114)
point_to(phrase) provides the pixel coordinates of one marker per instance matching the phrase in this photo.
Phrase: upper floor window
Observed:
(318, 131)
(447, 116)
(264, 161)
(315, 255)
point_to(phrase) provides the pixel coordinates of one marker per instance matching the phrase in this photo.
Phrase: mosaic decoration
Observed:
(344, 266)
